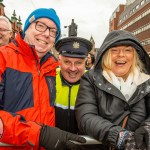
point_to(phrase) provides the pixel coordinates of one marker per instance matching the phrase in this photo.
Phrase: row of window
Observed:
(146, 42)
(136, 19)
(142, 29)
(133, 10)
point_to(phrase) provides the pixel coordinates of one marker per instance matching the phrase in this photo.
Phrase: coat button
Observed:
(126, 108)
(142, 92)
(126, 96)
(109, 88)
(100, 84)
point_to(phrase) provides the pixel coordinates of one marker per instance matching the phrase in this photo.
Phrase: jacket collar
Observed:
(99, 80)
(65, 82)
(20, 46)
(106, 86)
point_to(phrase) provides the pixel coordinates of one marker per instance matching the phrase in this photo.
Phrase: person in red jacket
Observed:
(27, 87)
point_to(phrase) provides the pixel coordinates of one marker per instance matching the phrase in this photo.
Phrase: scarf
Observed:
(127, 87)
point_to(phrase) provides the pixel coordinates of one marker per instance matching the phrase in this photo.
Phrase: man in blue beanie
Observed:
(27, 87)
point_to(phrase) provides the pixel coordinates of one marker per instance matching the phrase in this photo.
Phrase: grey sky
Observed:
(91, 16)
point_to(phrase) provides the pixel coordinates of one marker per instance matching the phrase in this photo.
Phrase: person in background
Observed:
(27, 87)
(72, 56)
(5, 31)
(113, 102)
(90, 61)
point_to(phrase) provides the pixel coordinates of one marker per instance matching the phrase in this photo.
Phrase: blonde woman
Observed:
(116, 92)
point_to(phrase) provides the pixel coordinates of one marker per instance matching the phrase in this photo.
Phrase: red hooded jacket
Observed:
(27, 94)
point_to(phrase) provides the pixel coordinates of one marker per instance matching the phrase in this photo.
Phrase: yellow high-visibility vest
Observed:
(62, 93)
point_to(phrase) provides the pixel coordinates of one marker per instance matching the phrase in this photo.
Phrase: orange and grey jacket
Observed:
(27, 94)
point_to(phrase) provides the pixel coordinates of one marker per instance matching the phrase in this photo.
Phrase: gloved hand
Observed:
(142, 136)
(126, 140)
(55, 139)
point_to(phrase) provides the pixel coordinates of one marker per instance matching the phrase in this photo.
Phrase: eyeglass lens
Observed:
(41, 27)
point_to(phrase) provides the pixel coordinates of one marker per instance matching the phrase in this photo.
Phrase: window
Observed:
(136, 19)
(137, 7)
(142, 2)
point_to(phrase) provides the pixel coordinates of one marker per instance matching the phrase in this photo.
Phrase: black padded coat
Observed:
(101, 107)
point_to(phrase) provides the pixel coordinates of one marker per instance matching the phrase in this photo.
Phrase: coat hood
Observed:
(122, 37)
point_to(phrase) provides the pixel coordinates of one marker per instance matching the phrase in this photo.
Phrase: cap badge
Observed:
(76, 45)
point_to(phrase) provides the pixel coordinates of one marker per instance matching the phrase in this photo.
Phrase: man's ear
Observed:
(10, 36)
(59, 57)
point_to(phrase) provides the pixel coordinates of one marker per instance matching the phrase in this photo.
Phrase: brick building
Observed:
(134, 16)
(15, 22)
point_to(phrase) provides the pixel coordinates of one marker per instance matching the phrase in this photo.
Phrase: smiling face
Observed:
(5, 33)
(42, 41)
(122, 58)
(72, 68)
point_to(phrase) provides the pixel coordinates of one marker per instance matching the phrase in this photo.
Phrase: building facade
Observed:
(133, 17)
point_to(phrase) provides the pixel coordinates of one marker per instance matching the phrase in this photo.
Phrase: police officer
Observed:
(72, 58)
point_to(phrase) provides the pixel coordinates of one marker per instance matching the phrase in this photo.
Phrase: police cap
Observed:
(73, 47)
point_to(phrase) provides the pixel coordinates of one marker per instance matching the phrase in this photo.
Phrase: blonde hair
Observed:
(106, 62)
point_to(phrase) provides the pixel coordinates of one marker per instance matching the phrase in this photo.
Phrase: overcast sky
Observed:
(91, 16)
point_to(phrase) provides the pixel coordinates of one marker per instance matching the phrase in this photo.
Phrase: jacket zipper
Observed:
(38, 71)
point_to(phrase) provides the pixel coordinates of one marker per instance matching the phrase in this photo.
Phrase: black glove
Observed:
(55, 139)
(142, 136)
(129, 142)
(126, 140)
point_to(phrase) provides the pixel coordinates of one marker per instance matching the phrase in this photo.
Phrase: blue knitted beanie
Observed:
(49, 13)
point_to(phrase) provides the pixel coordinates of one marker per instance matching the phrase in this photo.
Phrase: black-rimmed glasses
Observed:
(41, 27)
